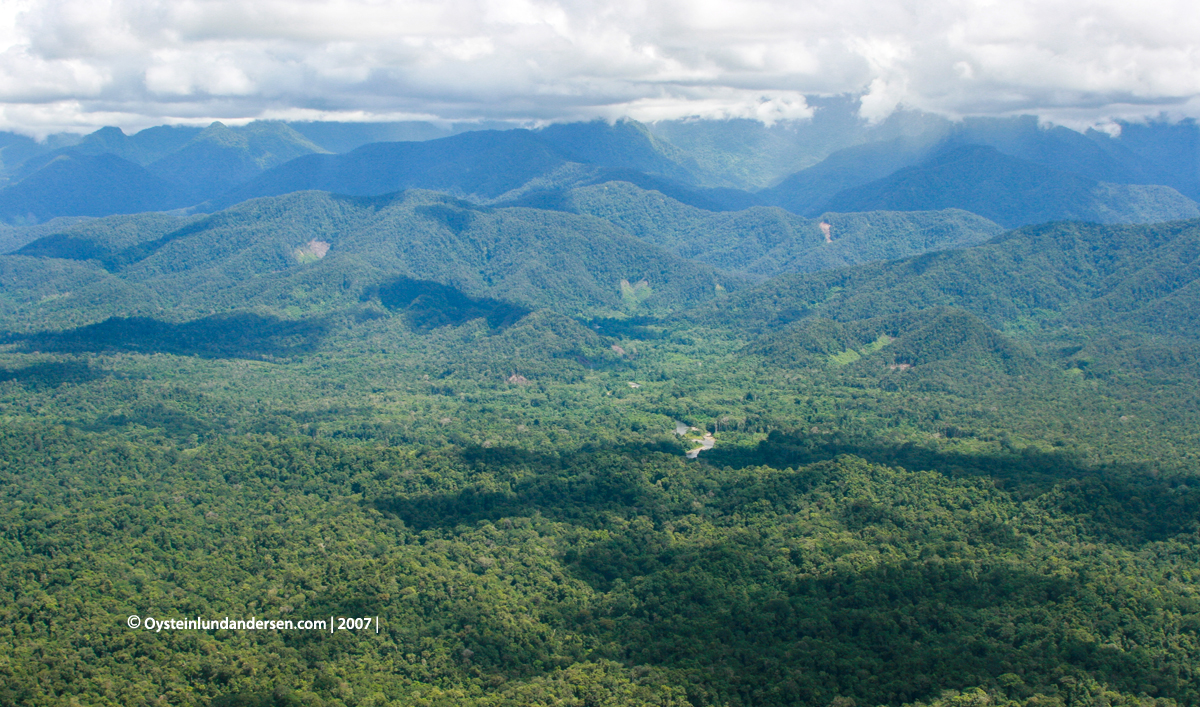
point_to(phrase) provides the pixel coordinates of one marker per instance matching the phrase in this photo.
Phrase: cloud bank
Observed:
(80, 64)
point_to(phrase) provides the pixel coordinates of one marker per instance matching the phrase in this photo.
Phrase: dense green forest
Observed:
(939, 463)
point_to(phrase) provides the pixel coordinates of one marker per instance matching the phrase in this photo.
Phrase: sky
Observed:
(77, 65)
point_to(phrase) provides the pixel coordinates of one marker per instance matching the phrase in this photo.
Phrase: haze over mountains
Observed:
(833, 162)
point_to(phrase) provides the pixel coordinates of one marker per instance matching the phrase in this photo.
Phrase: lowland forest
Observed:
(692, 414)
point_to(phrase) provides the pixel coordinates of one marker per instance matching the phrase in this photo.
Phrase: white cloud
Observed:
(177, 74)
(78, 64)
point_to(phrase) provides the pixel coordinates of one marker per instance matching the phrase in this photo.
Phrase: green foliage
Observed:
(845, 357)
(989, 497)
(1039, 277)
(761, 241)
(427, 305)
(227, 336)
(634, 295)
(938, 340)
(144, 266)
(505, 576)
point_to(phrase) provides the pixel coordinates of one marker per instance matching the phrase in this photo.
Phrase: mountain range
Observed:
(831, 163)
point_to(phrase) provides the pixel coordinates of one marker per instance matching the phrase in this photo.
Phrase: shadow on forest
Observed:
(1025, 472)
(565, 491)
(69, 247)
(1110, 505)
(428, 305)
(172, 422)
(1126, 505)
(239, 335)
(52, 373)
(917, 625)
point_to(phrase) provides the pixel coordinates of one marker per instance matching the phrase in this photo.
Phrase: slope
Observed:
(1132, 278)
(809, 190)
(765, 241)
(315, 252)
(1155, 153)
(220, 158)
(938, 343)
(1012, 192)
(1168, 153)
(87, 185)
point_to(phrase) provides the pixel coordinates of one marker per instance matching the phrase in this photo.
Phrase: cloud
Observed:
(78, 64)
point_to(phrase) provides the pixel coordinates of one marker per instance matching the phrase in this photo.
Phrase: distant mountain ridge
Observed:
(76, 184)
(1147, 154)
(158, 169)
(482, 164)
(1011, 192)
(714, 165)
(220, 158)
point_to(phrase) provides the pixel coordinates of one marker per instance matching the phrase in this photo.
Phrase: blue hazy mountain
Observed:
(162, 168)
(1147, 154)
(714, 165)
(483, 164)
(219, 158)
(1011, 192)
(74, 184)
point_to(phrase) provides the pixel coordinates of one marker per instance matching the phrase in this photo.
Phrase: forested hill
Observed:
(572, 258)
(766, 241)
(1132, 277)
(312, 252)
(216, 415)
(907, 508)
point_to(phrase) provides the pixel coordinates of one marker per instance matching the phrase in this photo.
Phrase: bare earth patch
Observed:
(312, 251)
